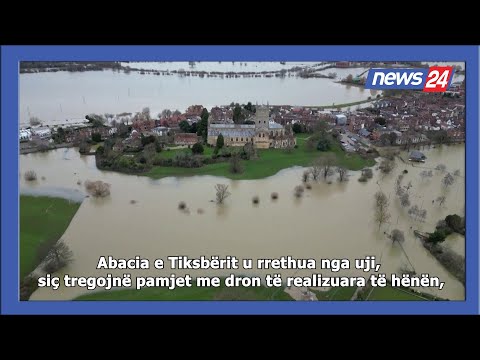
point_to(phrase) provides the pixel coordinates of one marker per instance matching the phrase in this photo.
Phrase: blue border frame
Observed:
(10, 57)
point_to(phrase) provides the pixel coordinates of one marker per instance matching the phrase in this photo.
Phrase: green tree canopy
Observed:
(184, 126)
(202, 126)
(220, 142)
(197, 148)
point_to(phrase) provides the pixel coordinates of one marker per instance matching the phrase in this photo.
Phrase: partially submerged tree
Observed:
(298, 191)
(342, 173)
(222, 192)
(367, 173)
(30, 175)
(386, 166)
(441, 200)
(97, 188)
(448, 180)
(397, 236)
(182, 205)
(426, 174)
(316, 170)
(417, 214)
(58, 257)
(405, 200)
(326, 164)
(441, 167)
(306, 175)
(382, 215)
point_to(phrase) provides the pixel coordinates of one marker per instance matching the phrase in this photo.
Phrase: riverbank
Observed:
(33, 149)
(43, 220)
(269, 162)
(451, 261)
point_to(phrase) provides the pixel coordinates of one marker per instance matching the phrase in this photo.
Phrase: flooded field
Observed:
(330, 221)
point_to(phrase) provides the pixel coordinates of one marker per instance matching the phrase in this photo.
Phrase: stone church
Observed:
(263, 134)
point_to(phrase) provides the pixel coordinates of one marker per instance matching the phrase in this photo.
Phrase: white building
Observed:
(25, 135)
(42, 133)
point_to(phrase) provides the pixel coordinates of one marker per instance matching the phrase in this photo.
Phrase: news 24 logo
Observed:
(433, 79)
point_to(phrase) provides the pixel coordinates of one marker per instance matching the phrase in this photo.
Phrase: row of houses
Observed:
(408, 117)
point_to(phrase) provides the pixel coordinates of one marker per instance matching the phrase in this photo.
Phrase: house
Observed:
(340, 119)
(364, 132)
(42, 133)
(417, 156)
(25, 135)
(160, 130)
(185, 139)
(143, 125)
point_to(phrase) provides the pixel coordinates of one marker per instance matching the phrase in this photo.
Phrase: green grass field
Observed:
(42, 219)
(191, 293)
(391, 293)
(270, 162)
(336, 294)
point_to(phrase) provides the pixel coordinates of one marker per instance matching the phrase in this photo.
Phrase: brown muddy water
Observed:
(330, 221)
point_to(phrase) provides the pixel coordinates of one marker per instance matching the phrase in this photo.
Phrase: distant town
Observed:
(403, 119)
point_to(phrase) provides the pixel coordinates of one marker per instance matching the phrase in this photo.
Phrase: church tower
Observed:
(262, 117)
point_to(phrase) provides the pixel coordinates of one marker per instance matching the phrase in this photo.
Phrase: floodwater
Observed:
(71, 96)
(331, 220)
(223, 66)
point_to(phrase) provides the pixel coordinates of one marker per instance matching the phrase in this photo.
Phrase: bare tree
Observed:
(426, 174)
(405, 200)
(222, 192)
(316, 170)
(306, 175)
(397, 236)
(386, 166)
(298, 191)
(325, 164)
(441, 200)
(417, 213)
(456, 172)
(408, 186)
(381, 208)
(34, 121)
(367, 173)
(30, 175)
(448, 180)
(342, 173)
(58, 257)
(97, 188)
(441, 167)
